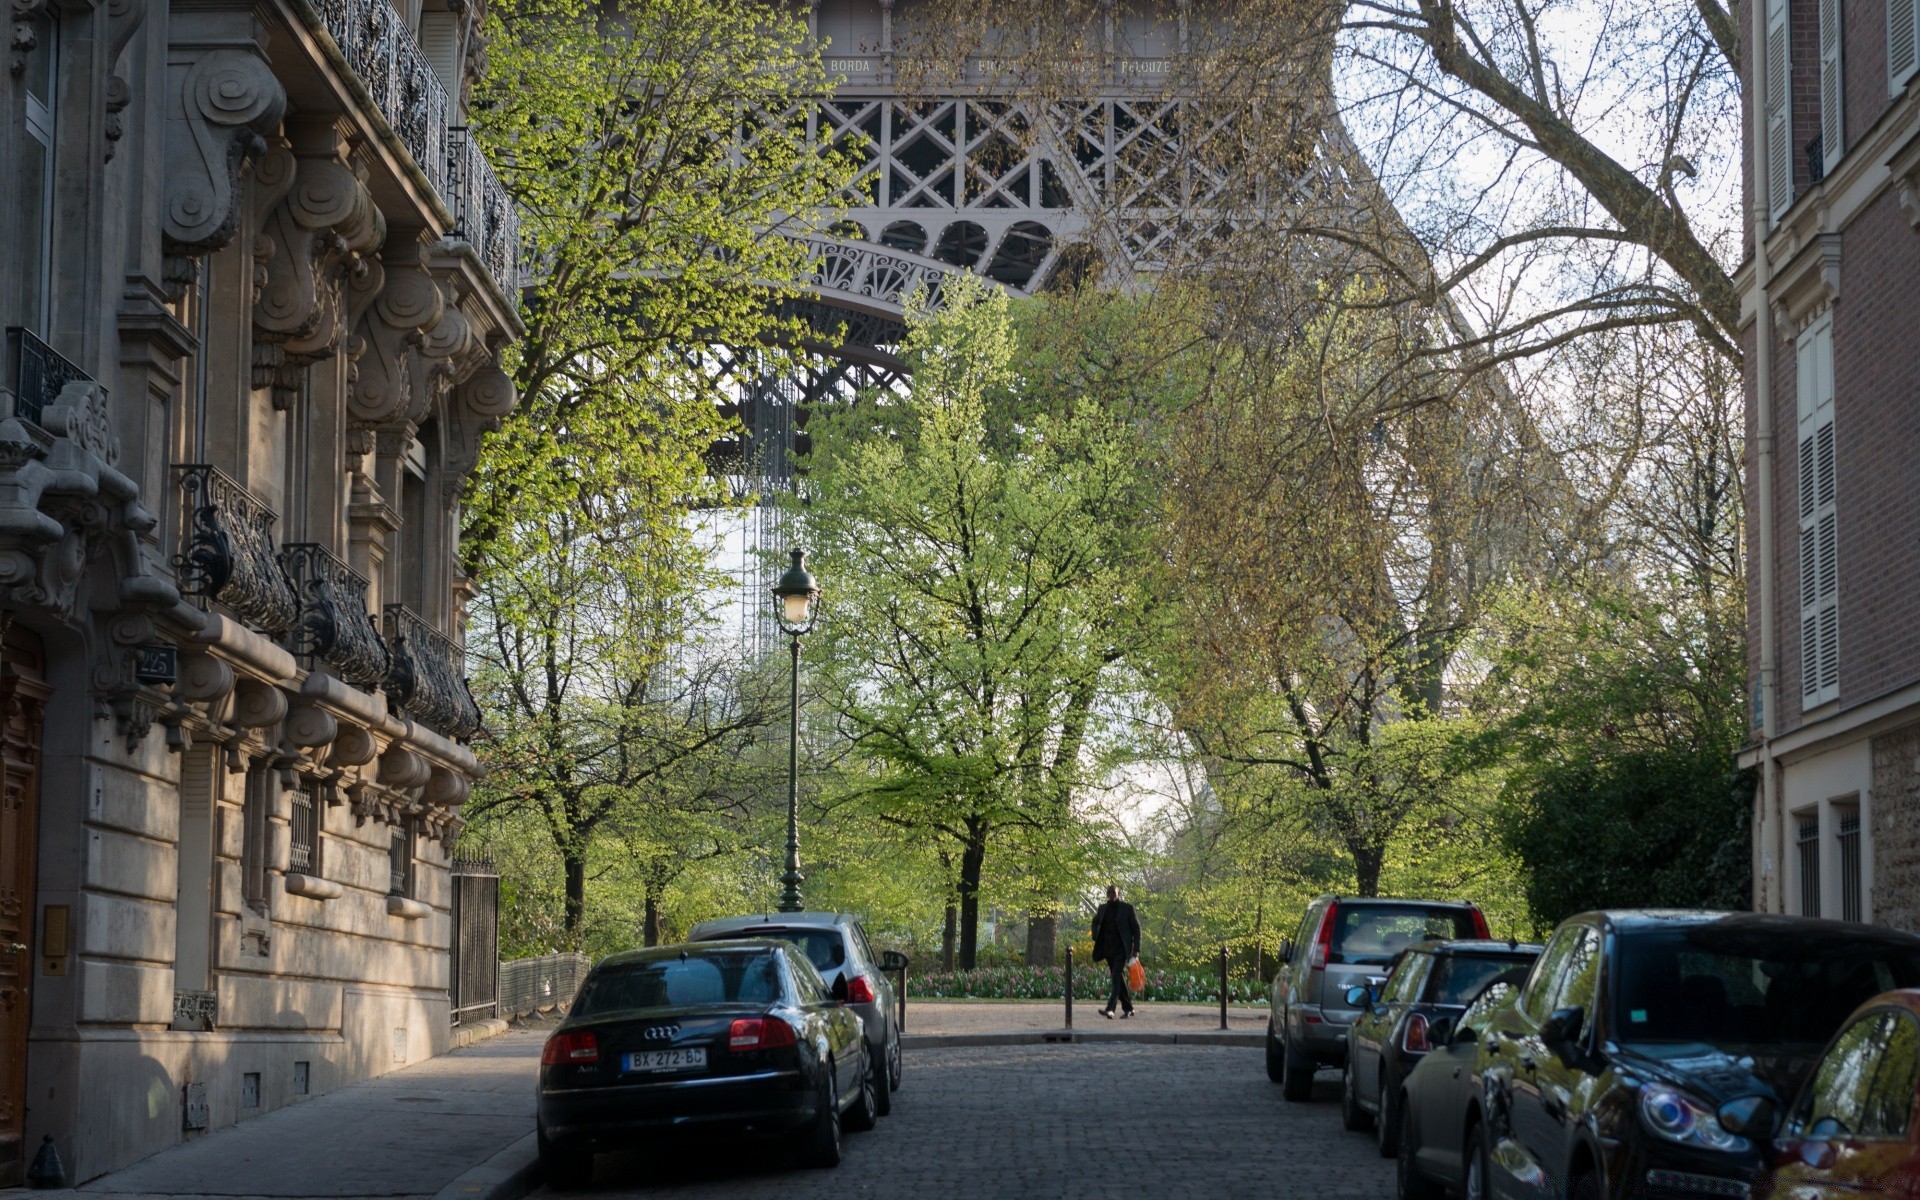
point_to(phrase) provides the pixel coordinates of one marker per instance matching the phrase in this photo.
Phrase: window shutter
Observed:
(1778, 93)
(1819, 521)
(440, 42)
(1833, 141)
(1901, 43)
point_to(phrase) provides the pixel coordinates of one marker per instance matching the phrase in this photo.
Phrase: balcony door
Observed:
(23, 697)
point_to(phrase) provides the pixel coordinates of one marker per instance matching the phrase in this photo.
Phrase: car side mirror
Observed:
(1440, 1031)
(1561, 1030)
(1286, 950)
(1359, 997)
(1750, 1116)
(840, 989)
(893, 960)
(1463, 1035)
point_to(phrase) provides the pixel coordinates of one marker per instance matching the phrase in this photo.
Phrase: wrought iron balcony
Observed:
(377, 44)
(426, 675)
(334, 625)
(37, 372)
(227, 552)
(483, 214)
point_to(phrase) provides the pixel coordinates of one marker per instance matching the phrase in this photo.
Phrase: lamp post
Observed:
(794, 599)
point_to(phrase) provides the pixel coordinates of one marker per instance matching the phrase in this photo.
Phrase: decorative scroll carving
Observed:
(223, 104)
(479, 404)
(227, 551)
(427, 677)
(334, 625)
(124, 17)
(390, 333)
(320, 226)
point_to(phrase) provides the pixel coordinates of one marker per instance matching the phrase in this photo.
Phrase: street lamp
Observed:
(794, 599)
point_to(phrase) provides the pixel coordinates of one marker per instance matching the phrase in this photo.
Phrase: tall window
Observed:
(1848, 839)
(254, 840)
(1819, 521)
(303, 856)
(1807, 844)
(33, 223)
(1778, 95)
(1833, 141)
(400, 859)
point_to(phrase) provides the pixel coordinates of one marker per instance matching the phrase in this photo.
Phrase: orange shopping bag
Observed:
(1136, 975)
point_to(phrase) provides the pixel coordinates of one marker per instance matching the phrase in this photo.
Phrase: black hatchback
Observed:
(738, 1037)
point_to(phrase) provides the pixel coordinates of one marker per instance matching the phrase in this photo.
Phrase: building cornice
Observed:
(1890, 711)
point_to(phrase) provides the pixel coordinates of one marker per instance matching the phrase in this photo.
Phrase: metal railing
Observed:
(227, 552)
(426, 675)
(528, 985)
(483, 214)
(334, 625)
(38, 372)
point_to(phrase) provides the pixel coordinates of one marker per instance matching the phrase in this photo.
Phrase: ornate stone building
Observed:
(255, 278)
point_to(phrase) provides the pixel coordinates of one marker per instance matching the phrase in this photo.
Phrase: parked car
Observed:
(1342, 942)
(837, 947)
(1436, 1093)
(1429, 980)
(741, 1037)
(1851, 1131)
(1606, 1075)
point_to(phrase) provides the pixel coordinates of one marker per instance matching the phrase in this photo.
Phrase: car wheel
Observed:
(1276, 1071)
(1296, 1071)
(820, 1144)
(895, 1066)
(1352, 1116)
(1477, 1169)
(565, 1168)
(1386, 1126)
(1586, 1187)
(879, 1075)
(865, 1113)
(1410, 1183)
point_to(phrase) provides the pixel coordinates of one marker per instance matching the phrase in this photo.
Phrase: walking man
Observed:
(1116, 939)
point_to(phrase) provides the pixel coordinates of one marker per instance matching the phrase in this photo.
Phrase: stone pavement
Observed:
(460, 1125)
(1053, 1122)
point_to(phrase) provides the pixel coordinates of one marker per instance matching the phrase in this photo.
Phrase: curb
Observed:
(508, 1175)
(1208, 1037)
(479, 1031)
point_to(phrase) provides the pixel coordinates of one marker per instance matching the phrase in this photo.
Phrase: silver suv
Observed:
(1344, 942)
(837, 947)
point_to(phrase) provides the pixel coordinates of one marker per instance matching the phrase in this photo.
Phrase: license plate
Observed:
(667, 1060)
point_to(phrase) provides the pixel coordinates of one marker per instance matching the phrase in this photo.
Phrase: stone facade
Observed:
(1830, 297)
(256, 281)
(1896, 831)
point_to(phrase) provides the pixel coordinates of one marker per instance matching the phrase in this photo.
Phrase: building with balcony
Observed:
(255, 279)
(1832, 119)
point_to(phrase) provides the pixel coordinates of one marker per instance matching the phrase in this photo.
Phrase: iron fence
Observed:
(528, 985)
(474, 969)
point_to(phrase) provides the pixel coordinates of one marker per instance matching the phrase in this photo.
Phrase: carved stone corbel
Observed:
(478, 405)
(319, 227)
(222, 102)
(390, 334)
(124, 17)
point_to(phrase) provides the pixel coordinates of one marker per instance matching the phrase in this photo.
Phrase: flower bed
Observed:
(1089, 983)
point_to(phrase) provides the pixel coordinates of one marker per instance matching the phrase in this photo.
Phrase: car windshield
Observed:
(1458, 978)
(1374, 933)
(1734, 983)
(824, 948)
(714, 977)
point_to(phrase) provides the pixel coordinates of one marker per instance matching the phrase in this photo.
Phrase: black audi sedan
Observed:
(741, 1038)
(1613, 1072)
(1429, 980)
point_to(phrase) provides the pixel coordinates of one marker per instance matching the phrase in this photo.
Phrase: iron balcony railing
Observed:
(227, 552)
(426, 675)
(335, 625)
(375, 41)
(38, 372)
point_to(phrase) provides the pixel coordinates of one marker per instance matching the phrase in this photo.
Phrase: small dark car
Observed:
(1606, 1075)
(739, 1037)
(1429, 980)
(1443, 1082)
(1852, 1131)
(837, 946)
(1342, 942)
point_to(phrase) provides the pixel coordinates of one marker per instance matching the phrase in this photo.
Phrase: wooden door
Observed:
(23, 695)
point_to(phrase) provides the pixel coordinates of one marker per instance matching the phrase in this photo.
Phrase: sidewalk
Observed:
(936, 1023)
(460, 1125)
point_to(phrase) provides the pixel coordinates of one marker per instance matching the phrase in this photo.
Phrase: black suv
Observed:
(1344, 942)
(1611, 1073)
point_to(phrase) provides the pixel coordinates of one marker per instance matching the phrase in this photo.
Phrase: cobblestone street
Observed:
(1085, 1122)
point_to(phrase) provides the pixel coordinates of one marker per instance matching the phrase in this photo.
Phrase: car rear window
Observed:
(724, 977)
(824, 948)
(1374, 933)
(1458, 978)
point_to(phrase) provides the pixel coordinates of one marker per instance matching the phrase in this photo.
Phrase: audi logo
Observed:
(663, 1033)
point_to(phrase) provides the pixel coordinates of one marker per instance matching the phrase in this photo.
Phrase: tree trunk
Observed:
(575, 861)
(651, 931)
(947, 932)
(1042, 930)
(973, 857)
(1367, 862)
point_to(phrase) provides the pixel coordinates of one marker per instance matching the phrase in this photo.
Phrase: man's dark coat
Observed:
(1116, 932)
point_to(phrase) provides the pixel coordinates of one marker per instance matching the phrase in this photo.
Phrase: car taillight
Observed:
(1322, 951)
(570, 1049)
(759, 1033)
(1415, 1040)
(1480, 929)
(859, 991)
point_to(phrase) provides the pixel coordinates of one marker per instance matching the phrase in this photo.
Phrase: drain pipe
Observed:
(1767, 798)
